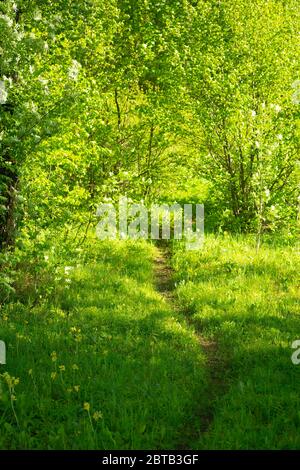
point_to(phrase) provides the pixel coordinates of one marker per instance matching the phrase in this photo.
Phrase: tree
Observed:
(241, 74)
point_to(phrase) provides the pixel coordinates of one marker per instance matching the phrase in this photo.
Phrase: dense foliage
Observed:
(187, 101)
(102, 98)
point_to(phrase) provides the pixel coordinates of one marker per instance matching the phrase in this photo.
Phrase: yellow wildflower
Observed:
(86, 406)
(97, 415)
(54, 356)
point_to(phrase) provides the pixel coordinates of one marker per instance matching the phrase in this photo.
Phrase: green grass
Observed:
(249, 303)
(97, 359)
(104, 363)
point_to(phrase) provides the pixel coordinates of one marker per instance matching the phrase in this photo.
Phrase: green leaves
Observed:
(101, 98)
(240, 84)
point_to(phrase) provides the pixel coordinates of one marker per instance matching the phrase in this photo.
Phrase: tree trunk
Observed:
(8, 220)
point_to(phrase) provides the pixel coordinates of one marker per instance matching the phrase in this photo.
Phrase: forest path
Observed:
(216, 365)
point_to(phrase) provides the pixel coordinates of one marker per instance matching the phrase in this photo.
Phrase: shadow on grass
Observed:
(249, 303)
(107, 339)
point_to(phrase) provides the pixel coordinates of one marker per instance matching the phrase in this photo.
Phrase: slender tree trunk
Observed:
(9, 178)
(8, 222)
(118, 108)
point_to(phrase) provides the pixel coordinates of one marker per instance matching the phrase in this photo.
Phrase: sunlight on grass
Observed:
(249, 302)
(104, 364)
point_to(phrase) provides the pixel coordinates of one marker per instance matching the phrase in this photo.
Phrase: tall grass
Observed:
(101, 363)
(249, 303)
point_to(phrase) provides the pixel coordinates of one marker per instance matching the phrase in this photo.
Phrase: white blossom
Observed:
(7, 20)
(74, 70)
(32, 107)
(68, 269)
(276, 107)
(19, 35)
(43, 81)
(3, 92)
(296, 94)
(37, 15)
(8, 79)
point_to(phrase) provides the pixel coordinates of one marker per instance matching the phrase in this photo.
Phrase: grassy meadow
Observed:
(248, 302)
(103, 363)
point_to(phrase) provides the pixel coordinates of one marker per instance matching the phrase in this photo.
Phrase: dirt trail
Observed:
(216, 364)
